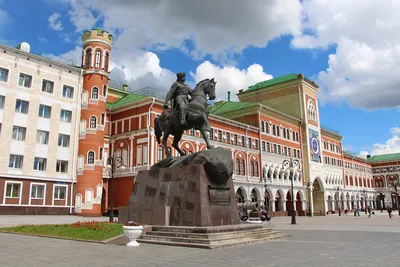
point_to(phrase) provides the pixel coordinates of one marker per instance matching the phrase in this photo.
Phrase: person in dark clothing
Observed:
(369, 211)
(389, 210)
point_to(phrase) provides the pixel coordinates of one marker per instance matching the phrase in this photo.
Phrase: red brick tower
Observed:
(95, 62)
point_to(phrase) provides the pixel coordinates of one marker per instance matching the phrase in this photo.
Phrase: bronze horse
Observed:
(168, 122)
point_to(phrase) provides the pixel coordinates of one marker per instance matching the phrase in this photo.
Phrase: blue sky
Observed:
(333, 45)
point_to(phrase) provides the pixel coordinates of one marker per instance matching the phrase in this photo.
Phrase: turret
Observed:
(90, 188)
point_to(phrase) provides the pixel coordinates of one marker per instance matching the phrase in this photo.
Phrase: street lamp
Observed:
(291, 164)
(394, 186)
(267, 181)
(365, 200)
(338, 189)
(307, 186)
(112, 164)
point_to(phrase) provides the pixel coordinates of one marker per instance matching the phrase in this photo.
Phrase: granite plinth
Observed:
(182, 195)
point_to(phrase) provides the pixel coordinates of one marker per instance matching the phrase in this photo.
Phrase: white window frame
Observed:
(94, 158)
(22, 164)
(44, 192)
(62, 91)
(86, 195)
(19, 111)
(42, 109)
(93, 89)
(52, 89)
(139, 151)
(85, 98)
(45, 164)
(90, 122)
(18, 134)
(99, 191)
(47, 137)
(62, 140)
(62, 118)
(98, 54)
(8, 74)
(66, 193)
(59, 160)
(82, 127)
(80, 203)
(26, 74)
(20, 191)
(81, 162)
(145, 154)
(100, 153)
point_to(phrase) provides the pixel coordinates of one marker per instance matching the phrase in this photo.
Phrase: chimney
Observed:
(229, 96)
(125, 87)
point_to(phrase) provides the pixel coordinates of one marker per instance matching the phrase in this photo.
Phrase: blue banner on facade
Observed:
(314, 145)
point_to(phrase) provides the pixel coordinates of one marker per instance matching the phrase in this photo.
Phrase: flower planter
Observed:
(133, 233)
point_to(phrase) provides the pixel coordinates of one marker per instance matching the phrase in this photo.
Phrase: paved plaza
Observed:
(317, 241)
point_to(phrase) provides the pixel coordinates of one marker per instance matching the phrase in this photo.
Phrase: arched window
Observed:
(84, 98)
(78, 201)
(104, 90)
(278, 131)
(88, 195)
(287, 134)
(255, 168)
(100, 153)
(237, 167)
(106, 59)
(80, 162)
(93, 121)
(90, 159)
(284, 133)
(99, 192)
(266, 127)
(88, 58)
(125, 157)
(82, 127)
(102, 116)
(242, 169)
(98, 59)
(251, 168)
(160, 153)
(262, 126)
(95, 93)
(273, 130)
(297, 137)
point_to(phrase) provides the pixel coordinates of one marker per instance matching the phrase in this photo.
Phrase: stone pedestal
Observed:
(194, 190)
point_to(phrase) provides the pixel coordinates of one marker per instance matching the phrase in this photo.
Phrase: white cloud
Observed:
(364, 69)
(72, 55)
(230, 78)
(215, 28)
(392, 145)
(55, 22)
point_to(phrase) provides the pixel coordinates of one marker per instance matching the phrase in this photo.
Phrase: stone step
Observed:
(229, 243)
(213, 241)
(207, 230)
(209, 236)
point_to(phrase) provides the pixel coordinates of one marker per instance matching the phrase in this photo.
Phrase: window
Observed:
(145, 150)
(235, 139)
(160, 151)
(82, 127)
(219, 136)
(242, 172)
(104, 90)
(266, 127)
(2, 100)
(249, 143)
(47, 86)
(278, 131)
(256, 144)
(95, 93)
(268, 147)
(37, 191)
(106, 62)
(285, 151)
(0, 127)
(90, 159)
(59, 192)
(274, 151)
(88, 58)
(98, 59)
(237, 167)
(62, 166)
(3, 75)
(63, 140)
(228, 138)
(279, 149)
(100, 153)
(68, 91)
(243, 142)
(25, 80)
(273, 130)
(45, 111)
(263, 145)
(284, 133)
(39, 164)
(66, 116)
(15, 161)
(311, 111)
(19, 133)
(13, 190)
(42, 137)
(88, 195)
(251, 168)
(287, 134)
(262, 126)
(102, 119)
(92, 122)
(255, 168)
(22, 106)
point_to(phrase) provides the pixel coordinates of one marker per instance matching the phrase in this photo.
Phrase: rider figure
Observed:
(179, 93)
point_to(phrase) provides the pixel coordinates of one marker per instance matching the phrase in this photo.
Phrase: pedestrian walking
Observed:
(389, 210)
(369, 211)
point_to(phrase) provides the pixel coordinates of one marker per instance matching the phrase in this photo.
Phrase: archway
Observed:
(267, 198)
(318, 198)
(254, 196)
(299, 206)
(240, 196)
(278, 201)
(289, 203)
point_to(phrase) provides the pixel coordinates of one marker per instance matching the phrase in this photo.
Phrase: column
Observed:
(151, 148)
(283, 203)
(272, 205)
(311, 201)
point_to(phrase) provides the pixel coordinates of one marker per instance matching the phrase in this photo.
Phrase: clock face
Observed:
(314, 145)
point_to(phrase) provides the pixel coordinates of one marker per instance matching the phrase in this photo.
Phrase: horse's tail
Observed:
(157, 129)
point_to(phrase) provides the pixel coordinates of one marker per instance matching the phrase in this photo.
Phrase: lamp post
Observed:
(307, 186)
(338, 189)
(365, 200)
(291, 164)
(112, 164)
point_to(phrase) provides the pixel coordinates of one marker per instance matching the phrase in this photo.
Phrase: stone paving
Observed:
(317, 241)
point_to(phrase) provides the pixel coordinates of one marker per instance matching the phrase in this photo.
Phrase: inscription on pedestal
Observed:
(219, 196)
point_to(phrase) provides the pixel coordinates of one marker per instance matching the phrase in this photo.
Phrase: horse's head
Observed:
(209, 89)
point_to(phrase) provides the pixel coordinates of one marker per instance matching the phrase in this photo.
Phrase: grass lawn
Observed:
(81, 230)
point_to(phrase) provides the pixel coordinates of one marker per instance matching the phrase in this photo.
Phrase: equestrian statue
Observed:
(185, 113)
